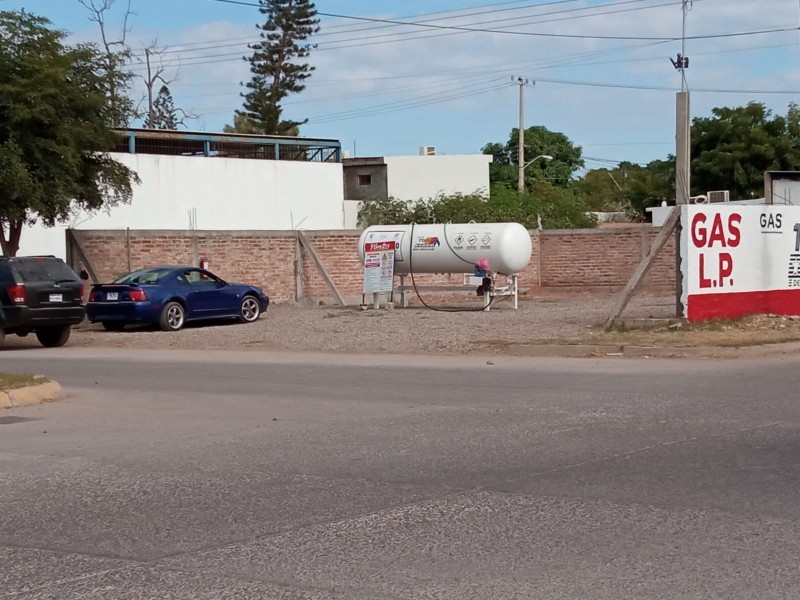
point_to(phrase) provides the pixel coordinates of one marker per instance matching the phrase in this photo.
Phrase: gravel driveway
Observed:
(413, 330)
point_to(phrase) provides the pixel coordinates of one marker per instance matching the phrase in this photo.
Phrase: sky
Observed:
(598, 71)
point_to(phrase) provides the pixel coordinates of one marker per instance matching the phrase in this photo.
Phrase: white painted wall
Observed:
(785, 191)
(415, 177)
(734, 264)
(227, 194)
(660, 213)
(351, 208)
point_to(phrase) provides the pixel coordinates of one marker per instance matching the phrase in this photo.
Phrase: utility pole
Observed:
(521, 143)
(682, 154)
(683, 129)
(673, 222)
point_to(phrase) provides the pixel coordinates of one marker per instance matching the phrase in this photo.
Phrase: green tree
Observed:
(558, 207)
(551, 206)
(384, 211)
(793, 124)
(242, 124)
(649, 185)
(54, 134)
(504, 169)
(164, 114)
(603, 190)
(732, 149)
(278, 63)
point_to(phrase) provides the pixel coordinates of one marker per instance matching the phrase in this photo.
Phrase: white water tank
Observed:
(453, 247)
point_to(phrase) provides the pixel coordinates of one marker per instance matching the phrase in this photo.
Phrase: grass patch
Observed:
(754, 330)
(10, 381)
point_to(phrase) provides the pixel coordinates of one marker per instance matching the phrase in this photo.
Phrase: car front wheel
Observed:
(172, 317)
(53, 337)
(250, 310)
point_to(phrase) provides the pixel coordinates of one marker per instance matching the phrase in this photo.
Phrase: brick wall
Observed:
(561, 259)
(601, 257)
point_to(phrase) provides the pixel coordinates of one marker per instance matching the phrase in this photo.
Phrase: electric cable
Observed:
(414, 282)
(533, 34)
(360, 41)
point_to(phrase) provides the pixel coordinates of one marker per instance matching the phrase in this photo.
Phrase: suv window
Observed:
(43, 269)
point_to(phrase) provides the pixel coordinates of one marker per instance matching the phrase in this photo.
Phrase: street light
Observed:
(523, 166)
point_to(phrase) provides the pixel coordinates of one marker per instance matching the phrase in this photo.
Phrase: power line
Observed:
(412, 36)
(439, 98)
(485, 69)
(458, 13)
(661, 88)
(360, 40)
(235, 56)
(447, 95)
(479, 87)
(535, 34)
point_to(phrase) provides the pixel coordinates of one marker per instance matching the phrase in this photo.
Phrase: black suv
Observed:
(39, 294)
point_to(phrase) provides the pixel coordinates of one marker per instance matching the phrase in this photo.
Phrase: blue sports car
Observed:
(171, 296)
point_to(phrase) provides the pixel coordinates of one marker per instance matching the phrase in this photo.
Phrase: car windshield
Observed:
(145, 276)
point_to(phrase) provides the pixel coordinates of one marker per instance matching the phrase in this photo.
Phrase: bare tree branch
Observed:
(156, 73)
(117, 55)
(98, 10)
(185, 116)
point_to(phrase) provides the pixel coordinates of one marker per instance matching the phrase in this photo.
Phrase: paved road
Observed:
(191, 475)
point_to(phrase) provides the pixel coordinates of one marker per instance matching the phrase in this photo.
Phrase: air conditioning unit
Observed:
(719, 196)
(427, 151)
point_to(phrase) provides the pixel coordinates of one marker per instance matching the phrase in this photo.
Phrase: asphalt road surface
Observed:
(194, 475)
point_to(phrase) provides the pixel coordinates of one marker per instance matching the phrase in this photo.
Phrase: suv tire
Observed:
(53, 337)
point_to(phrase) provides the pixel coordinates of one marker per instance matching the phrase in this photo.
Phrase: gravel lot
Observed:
(413, 330)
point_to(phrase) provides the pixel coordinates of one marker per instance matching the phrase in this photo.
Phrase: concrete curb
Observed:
(565, 350)
(595, 351)
(35, 394)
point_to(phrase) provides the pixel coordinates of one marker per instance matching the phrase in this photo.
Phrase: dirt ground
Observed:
(562, 317)
(747, 331)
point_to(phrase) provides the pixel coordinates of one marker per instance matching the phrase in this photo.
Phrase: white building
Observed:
(216, 181)
(230, 181)
(782, 187)
(412, 178)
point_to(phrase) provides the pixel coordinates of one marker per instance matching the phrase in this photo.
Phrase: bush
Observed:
(556, 207)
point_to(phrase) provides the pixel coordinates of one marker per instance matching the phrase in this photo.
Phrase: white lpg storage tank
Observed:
(453, 247)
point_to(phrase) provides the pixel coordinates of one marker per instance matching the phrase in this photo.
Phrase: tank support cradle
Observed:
(493, 291)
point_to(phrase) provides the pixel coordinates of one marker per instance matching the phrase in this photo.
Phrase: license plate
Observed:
(112, 296)
(56, 298)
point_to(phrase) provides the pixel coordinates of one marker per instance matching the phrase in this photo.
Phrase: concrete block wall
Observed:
(582, 259)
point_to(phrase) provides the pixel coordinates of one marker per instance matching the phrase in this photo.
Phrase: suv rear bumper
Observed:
(24, 317)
